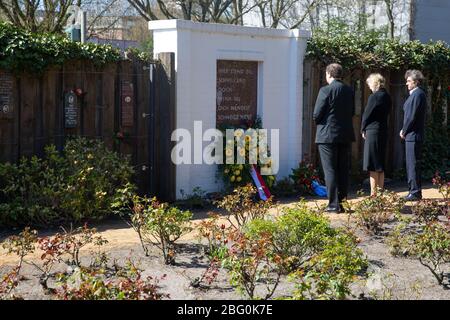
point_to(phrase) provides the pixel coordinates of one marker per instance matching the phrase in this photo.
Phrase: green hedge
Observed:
(369, 50)
(80, 184)
(22, 50)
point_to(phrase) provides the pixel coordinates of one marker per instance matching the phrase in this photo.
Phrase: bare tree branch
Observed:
(37, 15)
(241, 11)
(389, 9)
(98, 16)
(144, 9)
(164, 10)
(307, 13)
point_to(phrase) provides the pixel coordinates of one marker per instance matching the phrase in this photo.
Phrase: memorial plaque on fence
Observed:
(70, 110)
(236, 93)
(127, 97)
(6, 95)
(5, 106)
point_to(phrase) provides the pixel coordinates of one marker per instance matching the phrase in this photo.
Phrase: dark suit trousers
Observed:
(413, 155)
(335, 159)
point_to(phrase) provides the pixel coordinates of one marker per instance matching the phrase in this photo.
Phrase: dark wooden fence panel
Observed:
(8, 117)
(356, 81)
(308, 108)
(108, 104)
(399, 94)
(125, 77)
(143, 130)
(49, 98)
(29, 103)
(89, 102)
(165, 123)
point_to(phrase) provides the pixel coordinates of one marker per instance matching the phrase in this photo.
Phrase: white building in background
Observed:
(430, 20)
(422, 20)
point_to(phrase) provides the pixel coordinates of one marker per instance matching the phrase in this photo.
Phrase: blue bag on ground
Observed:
(319, 190)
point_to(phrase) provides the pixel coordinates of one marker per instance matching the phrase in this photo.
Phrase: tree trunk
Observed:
(389, 11)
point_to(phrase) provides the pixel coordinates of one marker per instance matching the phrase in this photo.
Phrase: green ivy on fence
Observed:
(24, 51)
(369, 50)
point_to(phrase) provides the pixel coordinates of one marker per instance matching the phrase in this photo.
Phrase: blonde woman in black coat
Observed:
(374, 131)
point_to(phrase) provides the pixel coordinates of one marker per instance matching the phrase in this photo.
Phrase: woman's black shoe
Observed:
(332, 210)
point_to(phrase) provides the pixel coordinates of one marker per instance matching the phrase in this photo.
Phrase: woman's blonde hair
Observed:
(377, 79)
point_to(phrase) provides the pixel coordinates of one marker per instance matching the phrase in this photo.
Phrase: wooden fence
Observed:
(122, 104)
(314, 78)
(130, 105)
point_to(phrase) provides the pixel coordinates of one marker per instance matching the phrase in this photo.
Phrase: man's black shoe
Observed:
(412, 197)
(332, 210)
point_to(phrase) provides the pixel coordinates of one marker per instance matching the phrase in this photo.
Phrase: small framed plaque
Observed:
(127, 101)
(70, 110)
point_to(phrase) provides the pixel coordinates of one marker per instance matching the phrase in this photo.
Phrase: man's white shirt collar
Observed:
(410, 92)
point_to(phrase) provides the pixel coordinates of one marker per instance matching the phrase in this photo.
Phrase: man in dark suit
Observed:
(333, 114)
(413, 131)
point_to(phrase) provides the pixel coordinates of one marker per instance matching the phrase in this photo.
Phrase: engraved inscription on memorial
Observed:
(127, 93)
(236, 92)
(70, 110)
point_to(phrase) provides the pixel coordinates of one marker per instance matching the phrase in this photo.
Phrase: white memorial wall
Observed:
(198, 46)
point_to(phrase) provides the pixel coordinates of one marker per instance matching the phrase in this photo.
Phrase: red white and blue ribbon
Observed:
(263, 190)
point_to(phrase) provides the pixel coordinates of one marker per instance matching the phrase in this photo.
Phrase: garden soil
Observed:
(389, 277)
